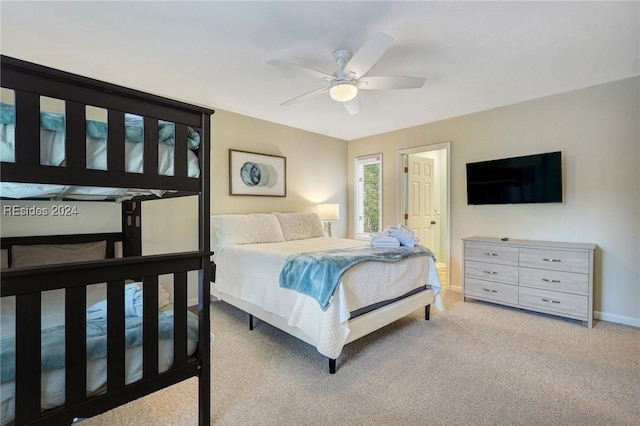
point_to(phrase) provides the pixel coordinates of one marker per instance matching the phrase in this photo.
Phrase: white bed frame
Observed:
(359, 326)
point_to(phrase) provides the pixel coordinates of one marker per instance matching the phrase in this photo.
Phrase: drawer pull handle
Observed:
(547, 259)
(489, 290)
(550, 301)
(491, 254)
(547, 280)
(490, 272)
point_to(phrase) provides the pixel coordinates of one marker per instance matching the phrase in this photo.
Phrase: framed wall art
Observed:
(251, 173)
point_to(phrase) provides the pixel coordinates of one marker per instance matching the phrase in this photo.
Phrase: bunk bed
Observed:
(90, 160)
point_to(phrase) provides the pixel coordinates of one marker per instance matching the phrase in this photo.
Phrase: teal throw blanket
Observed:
(317, 274)
(133, 127)
(53, 343)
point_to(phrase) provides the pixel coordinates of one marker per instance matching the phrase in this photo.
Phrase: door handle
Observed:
(433, 222)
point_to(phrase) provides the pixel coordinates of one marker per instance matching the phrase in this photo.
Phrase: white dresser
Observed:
(550, 277)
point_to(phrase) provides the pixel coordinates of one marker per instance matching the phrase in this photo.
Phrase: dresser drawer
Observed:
(563, 303)
(493, 291)
(567, 282)
(491, 253)
(491, 272)
(557, 260)
(551, 277)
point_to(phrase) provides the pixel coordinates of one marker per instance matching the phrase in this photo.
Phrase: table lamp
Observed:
(328, 213)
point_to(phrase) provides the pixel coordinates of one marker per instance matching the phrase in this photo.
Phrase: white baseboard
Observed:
(193, 301)
(602, 316)
(619, 319)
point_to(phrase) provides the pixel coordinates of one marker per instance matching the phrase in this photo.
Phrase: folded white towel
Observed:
(382, 239)
(404, 234)
(132, 303)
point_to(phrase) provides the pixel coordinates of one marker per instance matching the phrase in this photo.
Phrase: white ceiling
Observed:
(475, 55)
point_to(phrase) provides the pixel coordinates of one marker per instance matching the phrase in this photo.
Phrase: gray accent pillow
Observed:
(50, 254)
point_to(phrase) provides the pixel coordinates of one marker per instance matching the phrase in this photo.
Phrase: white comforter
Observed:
(251, 272)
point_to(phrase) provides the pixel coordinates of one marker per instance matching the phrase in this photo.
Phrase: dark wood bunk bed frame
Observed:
(28, 82)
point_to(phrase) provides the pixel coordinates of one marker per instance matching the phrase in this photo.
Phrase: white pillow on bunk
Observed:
(252, 228)
(51, 254)
(299, 226)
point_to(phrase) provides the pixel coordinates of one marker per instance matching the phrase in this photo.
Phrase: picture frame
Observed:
(252, 173)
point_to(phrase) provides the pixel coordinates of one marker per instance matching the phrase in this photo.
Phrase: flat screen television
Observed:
(517, 180)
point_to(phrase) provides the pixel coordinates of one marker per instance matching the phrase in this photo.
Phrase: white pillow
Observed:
(252, 228)
(298, 226)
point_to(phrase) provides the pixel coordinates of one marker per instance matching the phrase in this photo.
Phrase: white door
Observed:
(419, 215)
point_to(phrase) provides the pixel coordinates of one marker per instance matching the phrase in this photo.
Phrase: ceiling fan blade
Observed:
(390, 82)
(353, 106)
(307, 70)
(368, 55)
(308, 95)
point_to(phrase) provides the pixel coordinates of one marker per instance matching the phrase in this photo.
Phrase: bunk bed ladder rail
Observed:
(28, 89)
(28, 334)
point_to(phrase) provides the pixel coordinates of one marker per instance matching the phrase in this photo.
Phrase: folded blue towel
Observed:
(404, 234)
(132, 303)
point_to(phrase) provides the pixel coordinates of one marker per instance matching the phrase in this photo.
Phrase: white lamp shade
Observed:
(329, 212)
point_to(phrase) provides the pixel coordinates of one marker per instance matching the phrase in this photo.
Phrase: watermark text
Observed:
(35, 211)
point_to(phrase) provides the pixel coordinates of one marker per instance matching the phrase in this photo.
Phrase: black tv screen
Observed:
(528, 179)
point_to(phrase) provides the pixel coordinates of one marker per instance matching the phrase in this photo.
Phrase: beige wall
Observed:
(316, 166)
(598, 133)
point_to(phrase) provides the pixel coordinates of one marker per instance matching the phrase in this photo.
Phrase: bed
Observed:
(128, 339)
(251, 254)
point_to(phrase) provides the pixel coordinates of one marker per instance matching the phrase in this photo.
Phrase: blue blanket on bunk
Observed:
(317, 274)
(53, 342)
(133, 126)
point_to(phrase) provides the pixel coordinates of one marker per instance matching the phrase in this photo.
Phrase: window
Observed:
(368, 184)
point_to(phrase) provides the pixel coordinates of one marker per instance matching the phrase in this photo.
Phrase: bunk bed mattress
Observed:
(250, 272)
(52, 153)
(53, 381)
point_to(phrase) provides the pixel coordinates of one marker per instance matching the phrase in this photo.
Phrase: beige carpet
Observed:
(474, 363)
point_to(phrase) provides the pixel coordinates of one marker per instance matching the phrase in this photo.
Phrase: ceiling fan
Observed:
(343, 85)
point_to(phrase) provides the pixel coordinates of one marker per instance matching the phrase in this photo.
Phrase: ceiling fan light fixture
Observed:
(343, 91)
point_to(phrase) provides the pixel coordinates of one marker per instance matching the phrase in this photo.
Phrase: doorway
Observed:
(424, 175)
